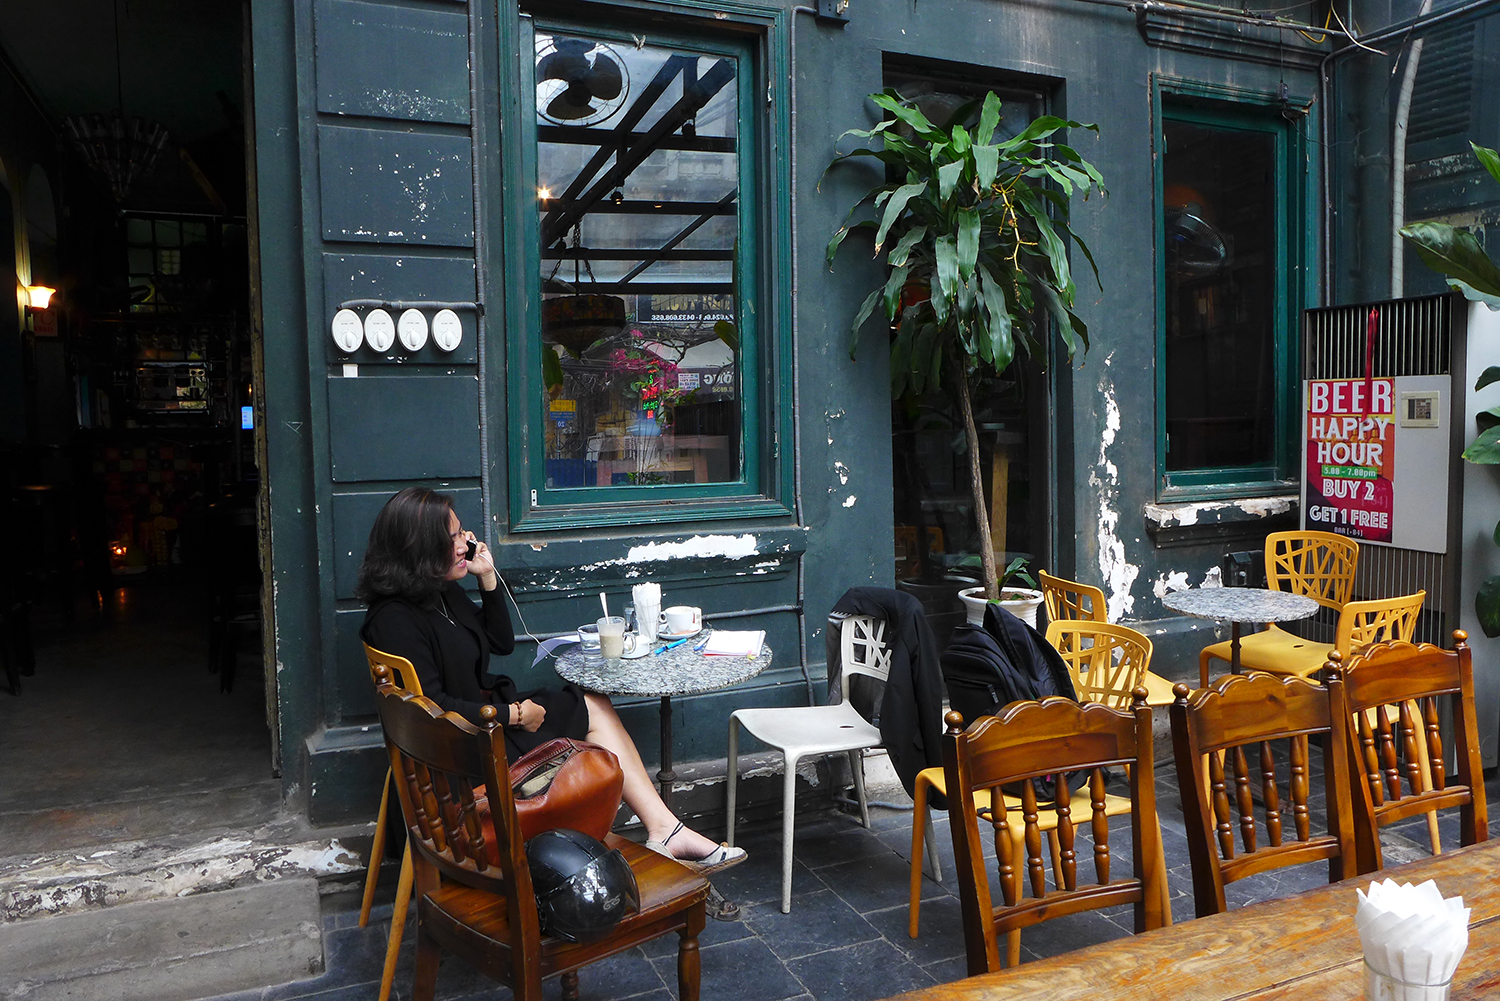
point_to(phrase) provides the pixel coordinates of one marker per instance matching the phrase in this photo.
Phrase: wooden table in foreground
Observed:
(1301, 947)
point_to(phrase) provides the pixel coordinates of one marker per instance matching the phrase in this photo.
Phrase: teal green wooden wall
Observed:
(365, 128)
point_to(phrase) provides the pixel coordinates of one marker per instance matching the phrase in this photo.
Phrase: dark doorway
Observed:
(132, 616)
(937, 543)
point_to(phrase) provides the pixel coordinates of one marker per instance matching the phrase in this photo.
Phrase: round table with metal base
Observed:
(679, 671)
(1237, 605)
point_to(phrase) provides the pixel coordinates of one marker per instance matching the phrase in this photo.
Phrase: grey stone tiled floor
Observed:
(846, 936)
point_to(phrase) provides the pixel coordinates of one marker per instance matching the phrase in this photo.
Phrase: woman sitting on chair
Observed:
(417, 555)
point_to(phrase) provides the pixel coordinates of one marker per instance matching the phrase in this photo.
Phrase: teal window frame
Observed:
(752, 34)
(1229, 108)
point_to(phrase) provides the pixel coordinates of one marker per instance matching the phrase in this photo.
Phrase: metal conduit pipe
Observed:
(735, 614)
(1214, 13)
(1325, 86)
(408, 304)
(479, 284)
(796, 360)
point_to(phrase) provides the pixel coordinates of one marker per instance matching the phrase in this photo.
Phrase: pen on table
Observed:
(675, 643)
(702, 643)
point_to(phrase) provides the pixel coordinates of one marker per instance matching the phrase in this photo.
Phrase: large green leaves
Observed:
(1485, 449)
(1455, 253)
(893, 208)
(1488, 158)
(975, 237)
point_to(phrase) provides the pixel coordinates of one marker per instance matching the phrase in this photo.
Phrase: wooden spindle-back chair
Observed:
(1212, 729)
(1026, 741)
(474, 892)
(1394, 694)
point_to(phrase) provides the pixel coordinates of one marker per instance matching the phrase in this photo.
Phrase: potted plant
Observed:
(1022, 602)
(978, 264)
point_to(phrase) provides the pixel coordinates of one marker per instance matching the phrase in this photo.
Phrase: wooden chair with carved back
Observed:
(1395, 694)
(1031, 740)
(474, 893)
(1107, 664)
(1212, 729)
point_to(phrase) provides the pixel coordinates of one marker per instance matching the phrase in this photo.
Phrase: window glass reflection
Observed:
(1219, 205)
(638, 186)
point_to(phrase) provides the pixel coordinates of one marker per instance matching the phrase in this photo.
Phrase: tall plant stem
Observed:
(976, 483)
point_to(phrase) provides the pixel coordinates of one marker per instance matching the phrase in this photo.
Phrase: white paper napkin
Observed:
(1412, 935)
(647, 598)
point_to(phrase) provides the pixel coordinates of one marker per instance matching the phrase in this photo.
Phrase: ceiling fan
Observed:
(579, 81)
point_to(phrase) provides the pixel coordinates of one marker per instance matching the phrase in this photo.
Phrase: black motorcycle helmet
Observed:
(582, 888)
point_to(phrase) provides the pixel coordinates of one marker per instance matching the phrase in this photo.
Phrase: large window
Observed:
(1226, 376)
(644, 367)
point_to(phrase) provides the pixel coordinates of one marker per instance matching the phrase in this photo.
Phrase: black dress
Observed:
(449, 642)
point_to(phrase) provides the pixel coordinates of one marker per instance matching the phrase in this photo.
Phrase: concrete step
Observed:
(58, 883)
(174, 949)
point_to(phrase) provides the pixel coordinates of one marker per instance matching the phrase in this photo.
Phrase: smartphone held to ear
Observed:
(473, 548)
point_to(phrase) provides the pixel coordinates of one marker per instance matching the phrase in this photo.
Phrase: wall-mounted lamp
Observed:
(39, 320)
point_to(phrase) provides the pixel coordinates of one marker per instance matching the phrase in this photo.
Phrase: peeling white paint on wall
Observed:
(1210, 512)
(1118, 574)
(843, 473)
(697, 547)
(849, 501)
(1175, 580)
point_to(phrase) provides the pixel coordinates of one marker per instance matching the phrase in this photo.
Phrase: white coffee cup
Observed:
(680, 619)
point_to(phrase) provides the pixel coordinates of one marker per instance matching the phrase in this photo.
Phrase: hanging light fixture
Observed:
(120, 149)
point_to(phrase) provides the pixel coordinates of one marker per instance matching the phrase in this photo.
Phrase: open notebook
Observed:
(730, 643)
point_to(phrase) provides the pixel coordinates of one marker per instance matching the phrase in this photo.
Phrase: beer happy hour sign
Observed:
(1351, 456)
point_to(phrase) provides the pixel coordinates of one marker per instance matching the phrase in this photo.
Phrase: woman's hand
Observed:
(530, 715)
(483, 564)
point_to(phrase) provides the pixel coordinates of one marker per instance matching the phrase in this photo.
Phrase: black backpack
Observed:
(1006, 661)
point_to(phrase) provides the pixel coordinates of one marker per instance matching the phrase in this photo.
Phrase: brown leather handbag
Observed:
(567, 783)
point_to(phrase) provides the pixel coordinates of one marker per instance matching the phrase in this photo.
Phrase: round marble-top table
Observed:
(1237, 605)
(679, 671)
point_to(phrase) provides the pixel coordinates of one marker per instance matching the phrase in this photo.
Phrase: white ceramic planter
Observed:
(1022, 608)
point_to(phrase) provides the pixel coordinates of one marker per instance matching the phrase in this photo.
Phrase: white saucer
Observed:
(642, 648)
(672, 637)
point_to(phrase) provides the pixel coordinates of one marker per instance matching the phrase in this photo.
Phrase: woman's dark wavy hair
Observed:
(410, 550)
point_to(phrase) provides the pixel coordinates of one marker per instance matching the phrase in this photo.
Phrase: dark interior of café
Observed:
(131, 602)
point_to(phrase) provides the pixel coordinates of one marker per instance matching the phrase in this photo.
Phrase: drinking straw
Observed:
(604, 603)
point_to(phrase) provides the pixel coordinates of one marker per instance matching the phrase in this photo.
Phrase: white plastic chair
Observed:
(804, 731)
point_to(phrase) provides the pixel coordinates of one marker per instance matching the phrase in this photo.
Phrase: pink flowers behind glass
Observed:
(655, 382)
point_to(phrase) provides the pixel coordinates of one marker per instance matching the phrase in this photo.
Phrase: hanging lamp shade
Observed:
(577, 321)
(121, 150)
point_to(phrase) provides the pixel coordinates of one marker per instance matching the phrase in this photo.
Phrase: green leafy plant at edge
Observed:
(975, 235)
(1456, 254)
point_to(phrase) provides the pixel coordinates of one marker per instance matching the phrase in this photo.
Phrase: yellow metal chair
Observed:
(1360, 624)
(1108, 664)
(403, 676)
(1317, 565)
(1070, 601)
